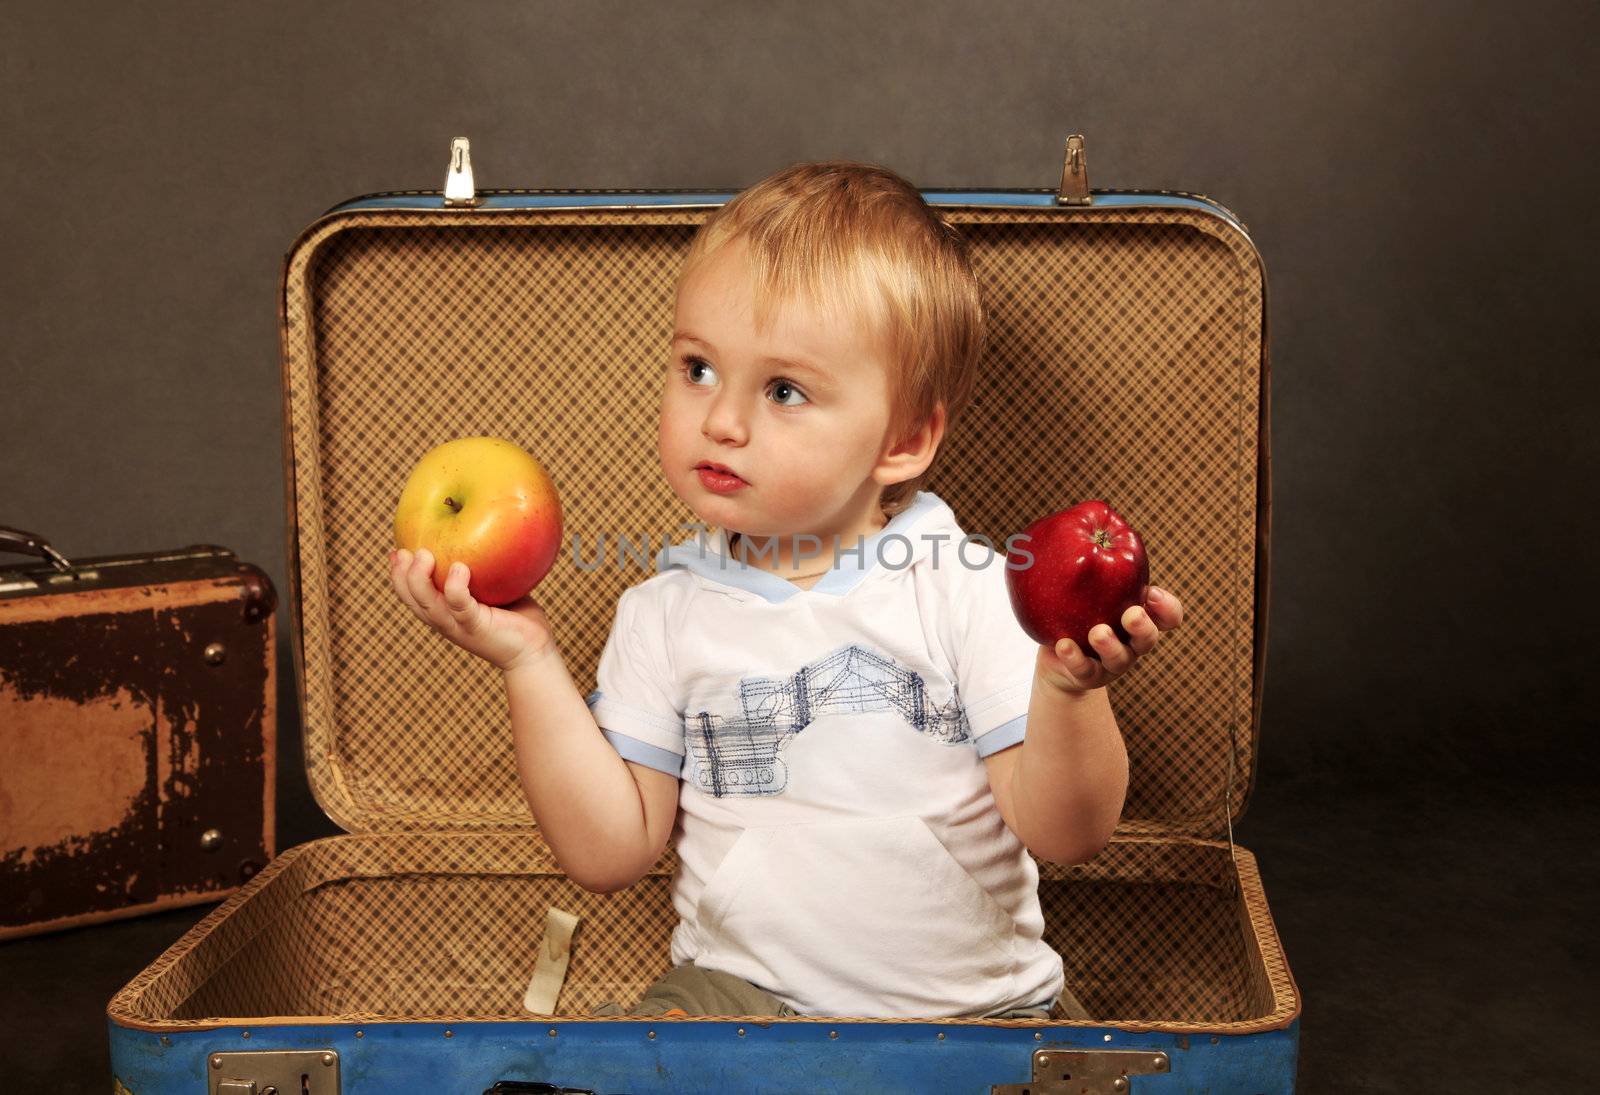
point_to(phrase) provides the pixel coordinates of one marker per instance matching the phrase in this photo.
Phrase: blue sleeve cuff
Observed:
(651, 756)
(1003, 736)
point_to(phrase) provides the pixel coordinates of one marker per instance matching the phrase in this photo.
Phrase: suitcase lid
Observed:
(54, 575)
(407, 322)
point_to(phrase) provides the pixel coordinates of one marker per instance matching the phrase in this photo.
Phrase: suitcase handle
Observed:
(30, 543)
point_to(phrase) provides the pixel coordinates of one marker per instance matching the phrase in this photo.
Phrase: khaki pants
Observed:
(694, 990)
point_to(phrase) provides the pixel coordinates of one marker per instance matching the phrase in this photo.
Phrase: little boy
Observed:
(829, 708)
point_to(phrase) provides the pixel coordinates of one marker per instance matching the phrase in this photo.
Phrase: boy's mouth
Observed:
(720, 469)
(719, 478)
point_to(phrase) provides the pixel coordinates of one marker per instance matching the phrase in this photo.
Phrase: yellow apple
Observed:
(485, 502)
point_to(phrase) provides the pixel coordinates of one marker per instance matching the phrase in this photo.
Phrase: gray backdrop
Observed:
(1419, 178)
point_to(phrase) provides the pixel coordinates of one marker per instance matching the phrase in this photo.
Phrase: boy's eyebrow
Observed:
(798, 366)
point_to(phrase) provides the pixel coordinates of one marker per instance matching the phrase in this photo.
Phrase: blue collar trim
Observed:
(714, 561)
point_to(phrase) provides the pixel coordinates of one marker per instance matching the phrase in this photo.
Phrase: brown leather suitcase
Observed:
(136, 729)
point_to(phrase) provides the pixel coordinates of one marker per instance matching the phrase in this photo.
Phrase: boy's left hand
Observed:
(1071, 670)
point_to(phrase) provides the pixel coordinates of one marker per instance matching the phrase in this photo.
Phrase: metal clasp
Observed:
(1074, 175)
(274, 1072)
(1096, 1071)
(458, 188)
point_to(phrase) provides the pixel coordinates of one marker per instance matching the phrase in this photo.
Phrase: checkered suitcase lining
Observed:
(1127, 349)
(445, 927)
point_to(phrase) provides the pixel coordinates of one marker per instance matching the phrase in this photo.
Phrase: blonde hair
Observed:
(859, 242)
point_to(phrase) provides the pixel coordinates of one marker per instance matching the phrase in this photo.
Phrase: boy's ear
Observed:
(911, 456)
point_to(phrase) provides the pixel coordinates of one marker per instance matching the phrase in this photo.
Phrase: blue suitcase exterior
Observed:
(624, 1059)
(169, 1035)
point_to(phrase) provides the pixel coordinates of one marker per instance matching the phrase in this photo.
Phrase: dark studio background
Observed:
(1418, 177)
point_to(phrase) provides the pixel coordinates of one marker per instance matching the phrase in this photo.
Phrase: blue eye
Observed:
(687, 366)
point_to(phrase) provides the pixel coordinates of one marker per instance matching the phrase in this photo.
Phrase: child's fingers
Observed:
(1114, 656)
(456, 598)
(399, 577)
(1165, 608)
(1142, 630)
(453, 611)
(1084, 669)
(419, 580)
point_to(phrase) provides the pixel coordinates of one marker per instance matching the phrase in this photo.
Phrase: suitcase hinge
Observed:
(458, 188)
(274, 1072)
(1074, 175)
(1095, 1071)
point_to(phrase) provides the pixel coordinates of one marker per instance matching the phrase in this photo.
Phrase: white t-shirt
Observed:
(838, 841)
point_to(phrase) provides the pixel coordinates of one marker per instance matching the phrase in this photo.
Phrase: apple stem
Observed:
(453, 504)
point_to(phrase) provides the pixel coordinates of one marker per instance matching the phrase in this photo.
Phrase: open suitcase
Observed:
(1127, 361)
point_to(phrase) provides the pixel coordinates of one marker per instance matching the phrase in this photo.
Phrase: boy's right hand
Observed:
(518, 634)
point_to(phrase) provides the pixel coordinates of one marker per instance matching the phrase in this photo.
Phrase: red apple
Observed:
(1088, 567)
(487, 503)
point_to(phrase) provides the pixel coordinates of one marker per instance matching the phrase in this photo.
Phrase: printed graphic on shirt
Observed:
(739, 755)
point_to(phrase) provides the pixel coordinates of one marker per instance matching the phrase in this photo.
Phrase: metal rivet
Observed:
(1108, 1037)
(361, 1034)
(1214, 1039)
(328, 1059)
(741, 1032)
(244, 1034)
(552, 1032)
(941, 1036)
(833, 1034)
(449, 1034)
(216, 653)
(1044, 1060)
(216, 1061)
(1119, 1084)
(165, 1040)
(1037, 1037)
(651, 1035)
(1160, 1063)
(211, 840)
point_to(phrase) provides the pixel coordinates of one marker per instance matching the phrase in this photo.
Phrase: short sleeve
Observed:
(995, 657)
(634, 697)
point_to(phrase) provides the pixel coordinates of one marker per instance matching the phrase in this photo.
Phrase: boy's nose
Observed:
(724, 422)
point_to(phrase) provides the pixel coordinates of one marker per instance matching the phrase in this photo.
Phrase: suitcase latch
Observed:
(274, 1072)
(458, 188)
(1074, 175)
(1091, 1071)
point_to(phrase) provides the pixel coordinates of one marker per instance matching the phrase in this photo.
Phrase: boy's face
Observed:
(804, 435)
